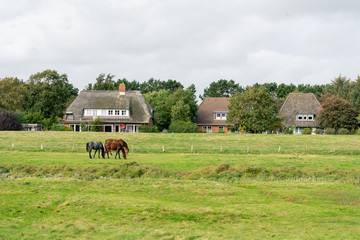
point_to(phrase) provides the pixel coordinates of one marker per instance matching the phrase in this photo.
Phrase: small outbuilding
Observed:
(32, 127)
(299, 111)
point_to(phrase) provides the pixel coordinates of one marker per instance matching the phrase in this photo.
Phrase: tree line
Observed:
(44, 97)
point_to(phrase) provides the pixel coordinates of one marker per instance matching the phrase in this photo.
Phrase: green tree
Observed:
(180, 112)
(338, 113)
(163, 102)
(154, 85)
(103, 82)
(12, 94)
(254, 111)
(283, 90)
(49, 93)
(222, 88)
(133, 85)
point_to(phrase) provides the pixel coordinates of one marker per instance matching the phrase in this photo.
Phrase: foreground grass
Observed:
(59, 208)
(308, 190)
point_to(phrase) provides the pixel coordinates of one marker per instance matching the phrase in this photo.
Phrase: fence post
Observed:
(41, 147)
(192, 148)
(279, 148)
(306, 148)
(163, 148)
(73, 147)
(12, 146)
(221, 149)
(132, 148)
(248, 149)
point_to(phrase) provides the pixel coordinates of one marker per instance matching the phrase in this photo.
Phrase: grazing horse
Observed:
(115, 146)
(122, 142)
(97, 146)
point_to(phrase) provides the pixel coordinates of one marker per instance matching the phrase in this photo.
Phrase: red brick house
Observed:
(212, 114)
(120, 111)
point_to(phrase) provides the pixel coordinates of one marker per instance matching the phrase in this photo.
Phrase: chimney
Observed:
(122, 89)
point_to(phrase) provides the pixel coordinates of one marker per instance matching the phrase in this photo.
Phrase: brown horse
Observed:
(122, 142)
(115, 146)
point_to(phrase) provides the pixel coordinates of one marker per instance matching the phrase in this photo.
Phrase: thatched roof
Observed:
(208, 108)
(300, 103)
(134, 101)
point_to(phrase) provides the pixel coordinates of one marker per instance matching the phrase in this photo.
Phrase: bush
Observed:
(289, 130)
(330, 131)
(9, 121)
(149, 129)
(306, 131)
(57, 127)
(318, 131)
(343, 131)
(96, 125)
(183, 127)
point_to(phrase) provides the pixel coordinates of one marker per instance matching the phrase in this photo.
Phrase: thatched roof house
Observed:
(212, 114)
(119, 110)
(300, 110)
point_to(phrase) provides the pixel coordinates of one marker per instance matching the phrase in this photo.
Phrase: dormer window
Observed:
(220, 115)
(305, 117)
(105, 112)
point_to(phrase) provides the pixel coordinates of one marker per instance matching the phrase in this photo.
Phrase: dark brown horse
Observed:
(122, 142)
(115, 146)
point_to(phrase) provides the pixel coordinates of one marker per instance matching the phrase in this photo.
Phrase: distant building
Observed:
(212, 114)
(32, 127)
(299, 111)
(120, 111)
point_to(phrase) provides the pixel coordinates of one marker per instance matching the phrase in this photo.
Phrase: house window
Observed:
(221, 128)
(88, 112)
(220, 116)
(207, 129)
(123, 112)
(117, 112)
(103, 112)
(303, 117)
(132, 128)
(110, 112)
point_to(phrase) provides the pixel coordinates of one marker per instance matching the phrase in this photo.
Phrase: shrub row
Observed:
(220, 172)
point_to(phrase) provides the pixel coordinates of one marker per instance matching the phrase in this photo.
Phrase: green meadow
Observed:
(180, 186)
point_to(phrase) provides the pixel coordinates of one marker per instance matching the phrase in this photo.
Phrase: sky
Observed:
(190, 41)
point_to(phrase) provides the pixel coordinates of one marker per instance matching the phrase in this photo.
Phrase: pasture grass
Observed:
(59, 193)
(66, 208)
(181, 143)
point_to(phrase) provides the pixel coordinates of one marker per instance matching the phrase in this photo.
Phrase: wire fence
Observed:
(189, 148)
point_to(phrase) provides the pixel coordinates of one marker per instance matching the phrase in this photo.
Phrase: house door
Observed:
(117, 128)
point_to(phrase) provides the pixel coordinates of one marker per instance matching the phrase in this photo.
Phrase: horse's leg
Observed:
(90, 153)
(99, 153)
(95, 153)
(107, 152)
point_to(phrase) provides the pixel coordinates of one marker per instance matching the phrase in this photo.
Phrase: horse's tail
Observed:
(87, 147)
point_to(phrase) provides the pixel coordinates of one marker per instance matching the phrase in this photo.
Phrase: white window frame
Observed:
(132, 128)
(220, 115)
(207, 129)
(305, 117)
(112, 127)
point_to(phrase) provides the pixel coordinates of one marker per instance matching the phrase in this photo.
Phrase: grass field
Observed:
(249, 190)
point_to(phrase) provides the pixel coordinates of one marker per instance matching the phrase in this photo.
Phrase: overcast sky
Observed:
(191, 41)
